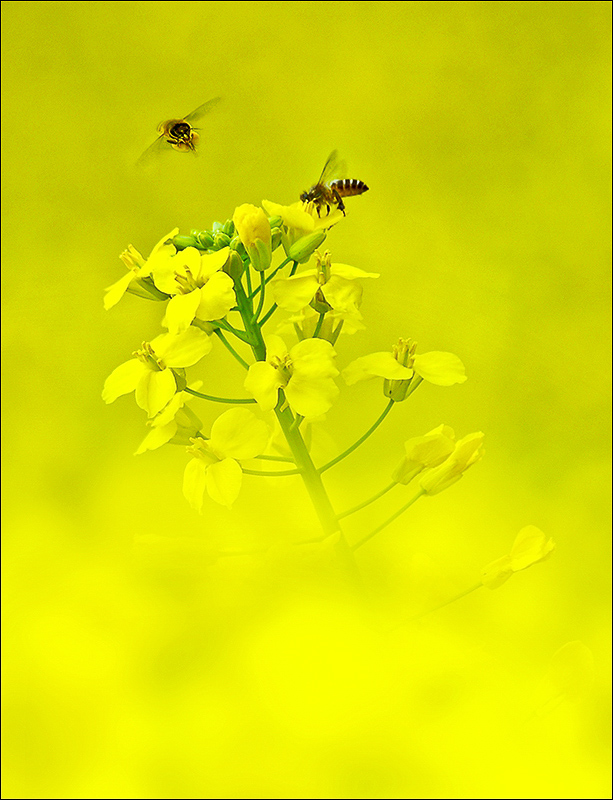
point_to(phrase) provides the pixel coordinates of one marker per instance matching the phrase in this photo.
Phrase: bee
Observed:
(178, 133)
(330, 193)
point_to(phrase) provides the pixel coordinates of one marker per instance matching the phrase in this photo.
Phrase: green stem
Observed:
(262, 296)
(337, 332)
(253, 328)
(367, 502)
(320, 322)
(362, 439)
(270, 277)
(227, 344)
(271, 474)
(314, 486)
(387, 521)
(447, 602)
(269, 314)
(276, 458)
(218, 399)
(248, 279)
(242, 335)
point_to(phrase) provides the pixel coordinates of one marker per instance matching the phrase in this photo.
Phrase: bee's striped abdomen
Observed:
(348, 187)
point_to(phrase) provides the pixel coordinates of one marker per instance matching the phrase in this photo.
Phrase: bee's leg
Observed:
(339, 202)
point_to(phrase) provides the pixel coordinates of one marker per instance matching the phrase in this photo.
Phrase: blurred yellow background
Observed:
(137, 665)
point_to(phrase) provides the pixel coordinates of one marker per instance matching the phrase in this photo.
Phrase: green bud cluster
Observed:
(219, 236)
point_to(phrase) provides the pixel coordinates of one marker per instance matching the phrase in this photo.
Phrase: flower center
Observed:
(187, 282)
(404, 352)
(201, 448)
(147, 355)
(323, 267)
(283, 365)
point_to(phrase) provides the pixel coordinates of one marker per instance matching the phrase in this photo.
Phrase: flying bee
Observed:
(178, 133)
(330, 193)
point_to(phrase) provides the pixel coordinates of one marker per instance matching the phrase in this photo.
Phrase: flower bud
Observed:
(253, 228)
(181, 241)
(228, 227)
(277, 238)
(221, 240)
(234, 266)
(145, 288)
(530, 546)
(424, 452)
(320, 304)
(275, 222)
(205, 238)
(466, 453)
(302, 249)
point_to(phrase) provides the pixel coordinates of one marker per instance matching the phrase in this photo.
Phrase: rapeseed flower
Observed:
(139, 267)
(199, 287)
(150, 374)
(305, 373)
(333, 286)
(215, 467)
(530, 546)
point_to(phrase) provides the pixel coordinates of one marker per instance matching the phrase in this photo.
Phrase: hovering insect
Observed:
(178, 133)
(330, 193)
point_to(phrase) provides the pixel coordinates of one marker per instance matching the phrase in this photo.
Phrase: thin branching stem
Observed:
(262, 297)
(270, 474)
(360, 441)
(388, 521)
(229, 347)
(218, 399)
(320, 322)
(367, 502)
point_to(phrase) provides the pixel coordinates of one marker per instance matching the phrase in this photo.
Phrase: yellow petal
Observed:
(313, 358)
(251, 224)
(216, 297)
(223, 481)
(351, 273)
(154, 390)
(157, 437)
(123, 379)
(311, 398)
(181, 310)
(194, 483)
(530, 546)
(342, 294)
(294, 293)
(382, 364)
(263, 382)
(442, 369)
(182, 349)
(237, 433)
(115, 292)
(497, 573)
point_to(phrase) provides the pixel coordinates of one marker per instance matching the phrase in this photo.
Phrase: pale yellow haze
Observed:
(176, 626)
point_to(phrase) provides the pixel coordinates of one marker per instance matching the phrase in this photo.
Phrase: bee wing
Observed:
(333, 168)
(152, 151)
(201, 110)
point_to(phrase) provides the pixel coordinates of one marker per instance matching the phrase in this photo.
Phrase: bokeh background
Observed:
(138, 664)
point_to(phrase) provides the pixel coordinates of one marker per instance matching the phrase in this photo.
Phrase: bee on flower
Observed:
(302, 232)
